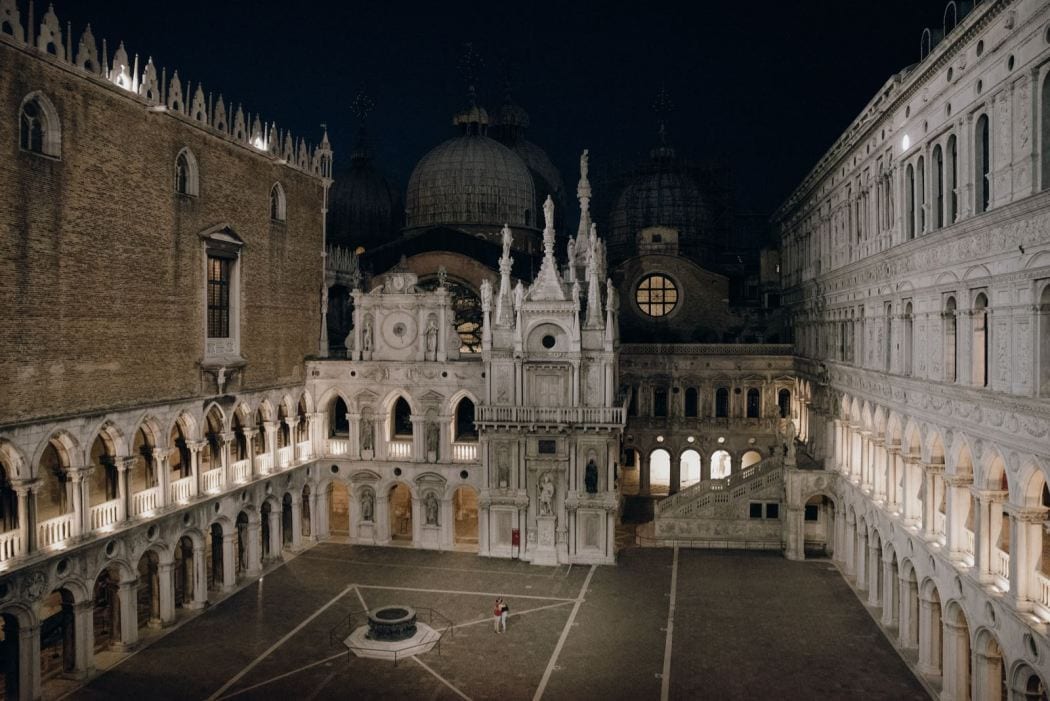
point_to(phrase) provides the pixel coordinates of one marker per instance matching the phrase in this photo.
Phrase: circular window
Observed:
(656, 295)
(980, 47)
(397, 471)
(548, 341)
(463, 474)
(335, 469)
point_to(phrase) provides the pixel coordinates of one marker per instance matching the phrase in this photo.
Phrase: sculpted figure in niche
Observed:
(789, 438)
(546, 495)
(366, 434)
(590, 477)
(367, 506)
(366, 336)
(432, 339)
(430, 504)
(432, 437)
(486, 295)
(503, 469)
(519, 295)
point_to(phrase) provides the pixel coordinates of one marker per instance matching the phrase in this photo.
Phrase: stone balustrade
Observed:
(145, 501)
(265, 462)
(399, 449)
(54, 530)
(212, 480)
(242, 471)
(543, 415)
(1001, 565)
(464, 452)
(10, 545)
(338, 446)
(304, 450)
(105, 514)
(285, 456)
(182, 489)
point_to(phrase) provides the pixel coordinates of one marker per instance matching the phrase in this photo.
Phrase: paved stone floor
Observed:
(745, 625)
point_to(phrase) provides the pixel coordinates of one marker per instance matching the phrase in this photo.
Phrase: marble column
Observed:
(956, 667)
(297, 526)
(200, 578)
(957, 508)
(1026, 548)
(861, 557)
(127, 597)
(930, 502)
(907, 634)
(123, 465)
(29, 661)
(84, 638)
(890, 590)
(849, 556)
(987, 673)
(229, 560)
(276, 544)
(228, 442)
(873, 573)
(26, 491)
(254, 547)
(165, 592)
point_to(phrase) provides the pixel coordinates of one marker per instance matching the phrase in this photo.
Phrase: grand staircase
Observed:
(717, 513)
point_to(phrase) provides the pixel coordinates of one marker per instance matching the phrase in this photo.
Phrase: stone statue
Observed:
(572, 251)
(575, 294)
(442, 276)
(367, 506)
(430, 504)
(548, 213)
(591, 477)
(220, 379)
(584, 164)
(546, 495)
(366, 336)
(519, 295)
(789, 438)
(502, 470)
(432, 437)
(432, 339)
(366, 434)
(508, 239)
(486, 295)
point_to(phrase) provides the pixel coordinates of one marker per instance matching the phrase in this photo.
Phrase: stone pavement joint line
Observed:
(440, 678)
(469, 593)
(665, 679)
(564, 634)
(233, 680)
(279, 677)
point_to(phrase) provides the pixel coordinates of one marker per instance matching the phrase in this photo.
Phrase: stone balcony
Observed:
(598, 417)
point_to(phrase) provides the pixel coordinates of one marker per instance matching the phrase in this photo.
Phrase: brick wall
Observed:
(101, 263)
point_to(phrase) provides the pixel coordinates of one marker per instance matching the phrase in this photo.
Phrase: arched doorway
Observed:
(57, 635)
(400, 513)
(690, 467)
(304, 518)
(659, 471)
(9, 656)
(242, 544)
(338, 508)
(182, 572)
(106, 614)
(465, 506)
(908, 632)
(818, 526)
(213, 556)
(957, 657)
(630, 474)
(720, 464)
(989, 673)
(1028, 685)
(148, 591)
(750, 458)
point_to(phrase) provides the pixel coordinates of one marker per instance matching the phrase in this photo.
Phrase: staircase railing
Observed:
(719, 491)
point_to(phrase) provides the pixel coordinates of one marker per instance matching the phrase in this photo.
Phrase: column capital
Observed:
(249, 433)
(196, 446)
(1026, 514)
(958, 480)
(269, 426)
(935, 468)
(228, 436)
(989, 495)
(26, 486)
(124, 462)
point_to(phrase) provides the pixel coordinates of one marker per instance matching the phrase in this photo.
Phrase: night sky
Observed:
(764, 87)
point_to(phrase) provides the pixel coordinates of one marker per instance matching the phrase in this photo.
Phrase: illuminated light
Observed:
(905, 143)
(659, 439)
(259, 143)
(690, 439)
(721, 439)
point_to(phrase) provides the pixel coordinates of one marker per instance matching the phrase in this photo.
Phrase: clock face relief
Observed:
(399, 330)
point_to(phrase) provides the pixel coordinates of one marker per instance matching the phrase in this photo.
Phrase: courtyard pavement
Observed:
(741, 625)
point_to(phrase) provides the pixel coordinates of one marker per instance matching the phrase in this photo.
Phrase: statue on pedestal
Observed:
(366, 434)
(430, 504)
(367, 506)
(546, 495)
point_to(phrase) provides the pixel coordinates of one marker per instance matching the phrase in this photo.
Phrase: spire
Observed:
(361, 107)
(547, 285)
(583, 193)
(474, 119)
(662, 108)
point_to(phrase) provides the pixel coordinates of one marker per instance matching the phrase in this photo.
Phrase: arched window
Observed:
(784, 402)
(402, 418)
(950, 18)
(938, 187)
(753, 403)
(1044, 130)
(722, 403)
(920, 195)
(720, 464)
(39, 130)
(910, 194)
(659, 470)
(689, 468)
(660, 401)
(186, 181)
(907, 350)
(982, 165)
(1043, 379)
(340, 423)
(465, 428)
(950, 341)
(952, 172)
(692, 402)
(979, 348)
(277, 203)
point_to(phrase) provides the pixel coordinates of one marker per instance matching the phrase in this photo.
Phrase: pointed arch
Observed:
(278, 203)
(187, 173)
(39, 128)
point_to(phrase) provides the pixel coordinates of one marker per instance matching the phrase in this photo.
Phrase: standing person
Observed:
(497, 613)
(504, 612)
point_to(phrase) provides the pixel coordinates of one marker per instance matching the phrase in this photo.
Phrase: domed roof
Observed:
(364, 206)
(470, 180)
(663, 192)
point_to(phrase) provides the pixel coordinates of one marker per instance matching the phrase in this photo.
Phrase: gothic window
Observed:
(657, 295)
(753, 403)
(982, 165)
(277, 203)
(784, 402)
(938, 187)
(466, 307)
(222, 294)
(950, 341)
(39, 130)
(340, 423)
(402, 416)
(1043, 380)
(722, 403)
(465, 428)
(186, 181)
(980, 341)
(219, 297)
(692, 402)
(952, 172)
(910, 194)
(920, 195)
(907, 338)
(660, 401)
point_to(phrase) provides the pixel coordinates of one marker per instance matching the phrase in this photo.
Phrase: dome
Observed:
(664, 192)
(364, 205)
(470, 180)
